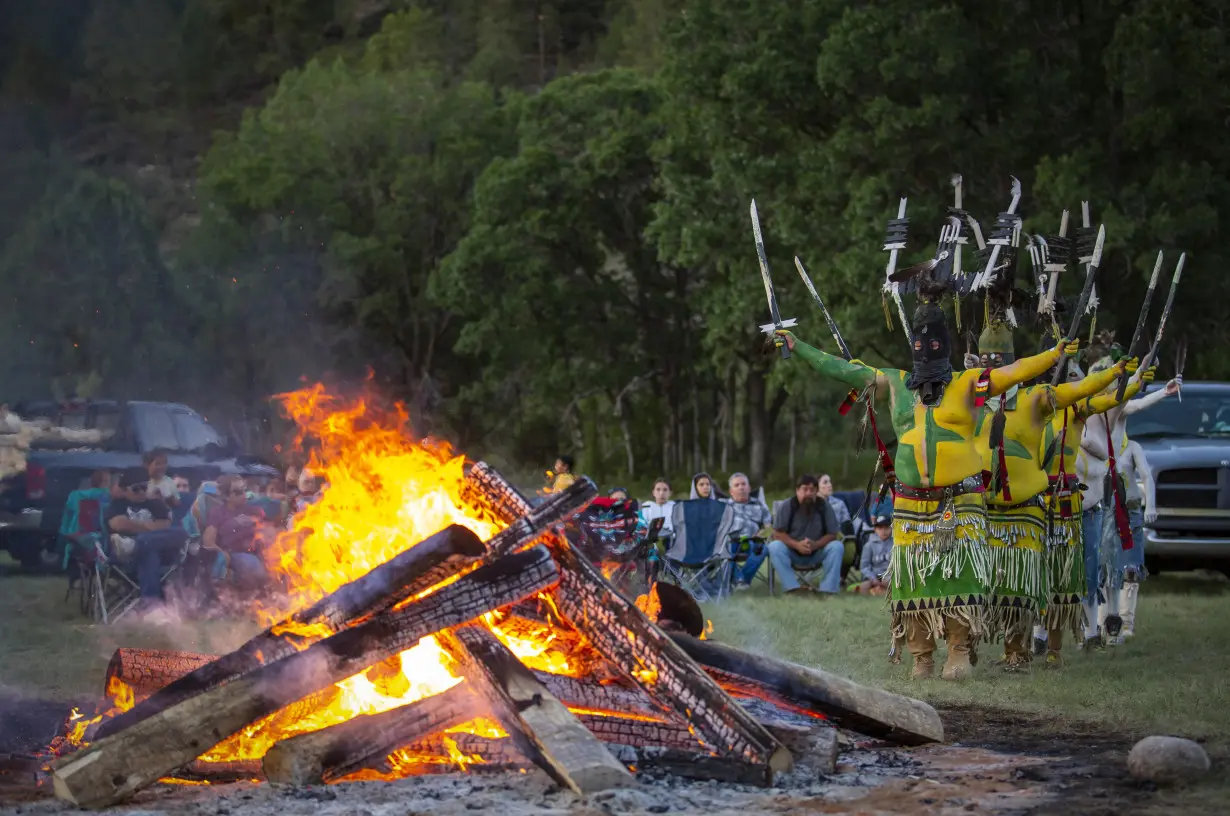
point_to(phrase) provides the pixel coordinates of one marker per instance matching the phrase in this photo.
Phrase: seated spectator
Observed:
(806, 536)
(160, 485)
(703, 488)
(618, 494)
(230, 534)
(660, 508)
(561, 477)
(184, 493)
(141, 532)
(839, 507)
(99, 484)
(276, 489)
(876, 554)
(751, 521)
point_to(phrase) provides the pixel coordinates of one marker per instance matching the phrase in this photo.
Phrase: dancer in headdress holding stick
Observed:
(1009, 434)
(940, 567)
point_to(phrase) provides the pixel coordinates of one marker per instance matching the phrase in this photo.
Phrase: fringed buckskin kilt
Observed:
(1065, 569)
(1016, 538)
(940, 563)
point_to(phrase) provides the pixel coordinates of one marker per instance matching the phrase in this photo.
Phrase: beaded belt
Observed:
(973, 484)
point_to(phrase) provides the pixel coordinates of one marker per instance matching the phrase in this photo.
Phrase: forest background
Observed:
(528, 218)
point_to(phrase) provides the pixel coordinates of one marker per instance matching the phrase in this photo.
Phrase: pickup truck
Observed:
(1187, 447)
(32, 502)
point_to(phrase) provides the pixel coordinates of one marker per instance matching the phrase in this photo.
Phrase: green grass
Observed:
(1172, 678)
(49, 650)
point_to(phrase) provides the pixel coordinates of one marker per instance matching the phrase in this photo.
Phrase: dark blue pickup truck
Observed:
(31, 503)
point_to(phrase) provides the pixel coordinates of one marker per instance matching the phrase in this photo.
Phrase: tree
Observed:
(87, 292)
(563, 299)
(364, 176)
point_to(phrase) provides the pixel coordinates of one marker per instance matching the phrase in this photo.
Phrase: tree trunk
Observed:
(794, 439)
(696, 460)
(757, 419)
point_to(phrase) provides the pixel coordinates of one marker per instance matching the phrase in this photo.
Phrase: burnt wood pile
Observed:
(646, 699)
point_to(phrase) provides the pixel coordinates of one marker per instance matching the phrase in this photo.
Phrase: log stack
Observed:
(645, 700)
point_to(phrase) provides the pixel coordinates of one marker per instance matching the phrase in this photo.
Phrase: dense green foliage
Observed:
(529, 220)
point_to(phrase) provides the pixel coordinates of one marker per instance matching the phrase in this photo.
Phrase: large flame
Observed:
(384, 492)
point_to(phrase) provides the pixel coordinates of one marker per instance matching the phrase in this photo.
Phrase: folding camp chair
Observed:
(107, 591)
(696, 560)
(81, 534)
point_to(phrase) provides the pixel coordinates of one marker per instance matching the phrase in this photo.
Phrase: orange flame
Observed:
(382, 493)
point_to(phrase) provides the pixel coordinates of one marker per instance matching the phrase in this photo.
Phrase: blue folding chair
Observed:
(694, 561)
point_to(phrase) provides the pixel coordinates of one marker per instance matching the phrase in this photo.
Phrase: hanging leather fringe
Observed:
(999, 466)
(888, 315)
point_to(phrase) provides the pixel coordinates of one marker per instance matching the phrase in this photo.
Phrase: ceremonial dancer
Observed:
(940, 567)
(1074, 515)
(1009, 432)
(1120, 566)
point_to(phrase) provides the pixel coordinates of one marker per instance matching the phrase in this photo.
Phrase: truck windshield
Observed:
(1196, 415)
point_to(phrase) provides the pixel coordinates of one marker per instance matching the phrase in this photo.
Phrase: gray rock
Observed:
(1167, 760)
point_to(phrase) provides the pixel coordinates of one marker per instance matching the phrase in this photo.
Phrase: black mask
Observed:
(932, 355)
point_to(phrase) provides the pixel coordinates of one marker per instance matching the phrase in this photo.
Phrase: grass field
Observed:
(1173, 677)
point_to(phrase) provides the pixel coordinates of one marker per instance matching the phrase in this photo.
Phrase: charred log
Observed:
(115, 767)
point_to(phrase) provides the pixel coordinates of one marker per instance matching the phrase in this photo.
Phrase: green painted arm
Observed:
(853, 373)
(1072, 393)
(1023, 370)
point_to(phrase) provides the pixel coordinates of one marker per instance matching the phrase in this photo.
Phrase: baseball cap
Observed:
(882, 521)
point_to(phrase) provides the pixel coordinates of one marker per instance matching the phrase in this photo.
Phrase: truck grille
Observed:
(1191, 488)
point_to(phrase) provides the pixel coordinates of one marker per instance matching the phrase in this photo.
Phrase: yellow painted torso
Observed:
(935, 446)
(1024, 428)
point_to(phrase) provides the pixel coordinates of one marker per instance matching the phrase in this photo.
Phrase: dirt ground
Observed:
(995, 763)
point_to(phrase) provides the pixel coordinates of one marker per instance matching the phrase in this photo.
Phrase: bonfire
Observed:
(432, 619)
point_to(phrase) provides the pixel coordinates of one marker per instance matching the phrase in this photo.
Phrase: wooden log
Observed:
(113, 768)
(500, 753)
(219, 772)
(147, 670)
(404, 576)
(584, 693)
(338, 751)
(382, 587)
(874, 712)
(694, 765)
(631, 642)
(638, 733)
(537, 722)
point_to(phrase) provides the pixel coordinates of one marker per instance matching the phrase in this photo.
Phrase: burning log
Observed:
(113, 768)
(658, 665)
(338, 751)
(411, 572)
(500, 753)
(587, 693)
(379, 589)
(147, 670)
(539, 725)
(874, 712)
